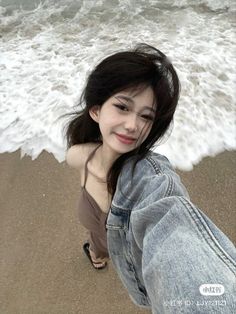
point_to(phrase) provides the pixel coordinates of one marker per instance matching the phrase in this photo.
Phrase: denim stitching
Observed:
(207, 234)
(143, 292)
(121, 213)
(170, 186)
(158, 171)
(154, 164)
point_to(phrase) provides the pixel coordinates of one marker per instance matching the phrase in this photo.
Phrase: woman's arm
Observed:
(164, 248)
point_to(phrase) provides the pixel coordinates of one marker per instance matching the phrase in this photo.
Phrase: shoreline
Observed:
(212, 187)
(44, 269)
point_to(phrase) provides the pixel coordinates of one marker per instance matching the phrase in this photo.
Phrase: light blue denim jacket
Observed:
(169, 255)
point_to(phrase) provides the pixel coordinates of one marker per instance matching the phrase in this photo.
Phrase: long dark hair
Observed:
(142, 66)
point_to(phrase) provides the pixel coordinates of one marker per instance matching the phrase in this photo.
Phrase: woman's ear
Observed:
(94, 113)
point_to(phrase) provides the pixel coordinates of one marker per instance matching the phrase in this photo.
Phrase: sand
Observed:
(43, 268)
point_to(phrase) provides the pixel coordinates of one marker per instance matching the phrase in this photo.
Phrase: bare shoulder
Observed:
(77, 155)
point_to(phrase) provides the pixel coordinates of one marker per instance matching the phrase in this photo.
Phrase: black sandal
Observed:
(86, 251)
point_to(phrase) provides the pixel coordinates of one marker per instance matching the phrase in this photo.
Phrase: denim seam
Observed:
(207, 235)
(170, 186)
(120, 189)
(159, 171)
(126, 215)
(139, 285)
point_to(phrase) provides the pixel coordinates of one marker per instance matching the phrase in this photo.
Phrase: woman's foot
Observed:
(97, 263)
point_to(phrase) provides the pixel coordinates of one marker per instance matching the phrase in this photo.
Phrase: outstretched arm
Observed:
(188, 264)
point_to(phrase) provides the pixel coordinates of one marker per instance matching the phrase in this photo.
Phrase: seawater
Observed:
(47, 49)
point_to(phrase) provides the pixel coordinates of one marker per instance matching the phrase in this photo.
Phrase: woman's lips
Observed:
(125, 139)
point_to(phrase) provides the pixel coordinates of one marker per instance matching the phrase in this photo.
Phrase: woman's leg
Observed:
(98, 250)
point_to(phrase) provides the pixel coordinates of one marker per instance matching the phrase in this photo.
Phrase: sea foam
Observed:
(48, 48)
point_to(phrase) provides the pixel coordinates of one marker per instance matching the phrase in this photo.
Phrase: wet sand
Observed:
(43, 268)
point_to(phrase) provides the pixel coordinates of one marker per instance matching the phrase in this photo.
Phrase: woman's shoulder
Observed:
(77, 155)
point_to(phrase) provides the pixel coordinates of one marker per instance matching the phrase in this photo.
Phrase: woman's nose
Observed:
(131, 123)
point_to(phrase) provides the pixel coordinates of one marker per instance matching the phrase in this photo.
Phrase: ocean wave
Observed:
(49, 47)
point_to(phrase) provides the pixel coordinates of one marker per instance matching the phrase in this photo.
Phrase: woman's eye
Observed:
(147, 117)
(121, 107)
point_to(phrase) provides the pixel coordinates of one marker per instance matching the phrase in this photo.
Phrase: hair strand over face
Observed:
(142, 66)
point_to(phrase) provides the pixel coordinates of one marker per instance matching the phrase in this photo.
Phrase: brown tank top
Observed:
(92, 217)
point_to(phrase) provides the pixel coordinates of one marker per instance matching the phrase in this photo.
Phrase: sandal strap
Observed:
(86, 250)
(96, 263)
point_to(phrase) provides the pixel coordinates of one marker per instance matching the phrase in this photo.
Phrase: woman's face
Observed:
(125, 119)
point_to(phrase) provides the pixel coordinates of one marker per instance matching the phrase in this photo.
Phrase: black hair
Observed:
(142, 66)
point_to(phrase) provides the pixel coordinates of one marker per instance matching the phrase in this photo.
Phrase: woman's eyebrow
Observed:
(127, 98)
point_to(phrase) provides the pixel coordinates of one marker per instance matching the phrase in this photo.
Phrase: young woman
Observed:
(165, 250)
(130, 99)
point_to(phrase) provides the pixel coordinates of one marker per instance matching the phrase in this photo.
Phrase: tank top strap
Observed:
(86, 164)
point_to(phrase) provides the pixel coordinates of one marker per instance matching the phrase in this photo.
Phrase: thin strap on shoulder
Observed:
(86, 164)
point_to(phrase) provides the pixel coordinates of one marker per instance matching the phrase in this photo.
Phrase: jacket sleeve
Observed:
(188, 264)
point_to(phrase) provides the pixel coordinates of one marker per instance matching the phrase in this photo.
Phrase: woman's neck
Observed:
(104, 158)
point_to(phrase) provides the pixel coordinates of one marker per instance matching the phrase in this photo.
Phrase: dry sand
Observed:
(43, 268)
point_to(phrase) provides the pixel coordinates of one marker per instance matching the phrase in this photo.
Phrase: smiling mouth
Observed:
(125, 139)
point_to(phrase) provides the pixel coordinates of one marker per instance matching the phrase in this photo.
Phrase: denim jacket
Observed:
(168, 254)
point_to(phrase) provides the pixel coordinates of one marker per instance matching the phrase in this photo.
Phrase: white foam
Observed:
(46, 53)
